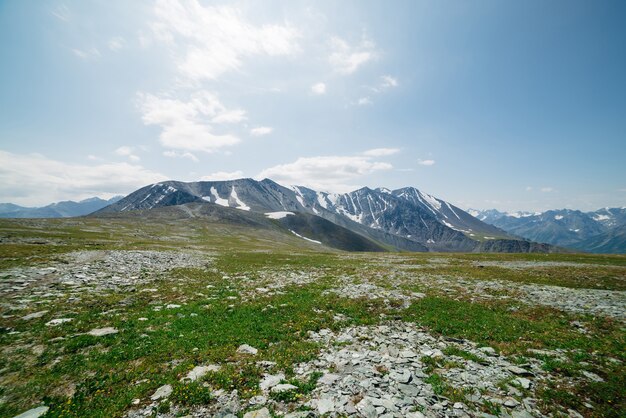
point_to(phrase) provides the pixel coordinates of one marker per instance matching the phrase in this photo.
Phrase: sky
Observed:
(517, 105)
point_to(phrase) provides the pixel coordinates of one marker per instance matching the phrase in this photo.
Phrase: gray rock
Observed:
(34, 315)
(199, 372)
(366, 408)
(325, 405)
(523, 382)
(511, 403)
(259, 413)
(269, 381)
(283, 387)
(401, 376)
(247, 349)
(162, 392)
(328, 379)
(57, 321)
(100, 332)
(519, 371)
(34, 413)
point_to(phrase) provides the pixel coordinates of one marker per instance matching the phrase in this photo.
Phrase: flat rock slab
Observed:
(34, 315)
(283, 387)
(247, 349)
(199, 372)
(162, 392)
(259, 413)
(271, 380)
(34, 413)
(100, 332)
(57, 321)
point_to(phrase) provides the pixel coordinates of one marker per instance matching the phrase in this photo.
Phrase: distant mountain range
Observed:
(64, 209)
(602, 231)
(404, 219)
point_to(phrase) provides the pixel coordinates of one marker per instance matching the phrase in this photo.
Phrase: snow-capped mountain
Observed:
(403, 219)
(565, 227)
(56, 210)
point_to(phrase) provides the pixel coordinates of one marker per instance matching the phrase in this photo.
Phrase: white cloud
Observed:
(426, 162)
(547, 189)
(215, 39)
(187, 125)
(126, 151)
(32, 179)
(174, 154)
(223, 175)
(318, 88)
(529, 188)
(346, 59)
(364, 101)
(230, 116)
(117, 43)
(388, 81)
(86, 54)
(261, 130)
(330, 173)
(61, 13)
(381, 152)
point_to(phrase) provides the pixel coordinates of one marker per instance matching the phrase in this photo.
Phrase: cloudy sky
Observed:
(486, 104)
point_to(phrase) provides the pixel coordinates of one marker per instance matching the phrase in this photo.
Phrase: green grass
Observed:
(81, 375)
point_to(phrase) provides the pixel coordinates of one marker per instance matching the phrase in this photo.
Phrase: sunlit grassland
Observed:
(80, 375)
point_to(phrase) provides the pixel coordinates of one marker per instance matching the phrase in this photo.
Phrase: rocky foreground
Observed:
(377, 350)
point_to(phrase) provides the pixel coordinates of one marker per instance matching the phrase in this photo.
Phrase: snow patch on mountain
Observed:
(235, 197)
(218, 199)
(308, 239)
(278, 215)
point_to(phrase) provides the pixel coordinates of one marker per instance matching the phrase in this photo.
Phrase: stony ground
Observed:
(195, 321)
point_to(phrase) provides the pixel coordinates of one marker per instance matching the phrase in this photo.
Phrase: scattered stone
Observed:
(523, 382)
(199, 372)
(58, 321)
(34, 413)
(325, 405)
(259, 413)
(269, 381)
(34, 315)
(519, 371)
(162, 392)
(592, 376)
(489, 351)
(100, 332)
(511, 403)
(247, 349)
(283, 387)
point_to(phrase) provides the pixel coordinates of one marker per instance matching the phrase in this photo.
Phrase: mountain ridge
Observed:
(63, 209)
(404, 219)
(596, 231)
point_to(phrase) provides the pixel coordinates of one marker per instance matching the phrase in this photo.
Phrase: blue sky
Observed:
(512, 105)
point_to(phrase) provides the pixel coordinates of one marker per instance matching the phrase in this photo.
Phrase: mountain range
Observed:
(602, 231)
(63, 209)
(405, 219)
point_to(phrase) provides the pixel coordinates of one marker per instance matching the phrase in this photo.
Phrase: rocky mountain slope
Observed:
(64, 209)
(404, 219)
(599, 231)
